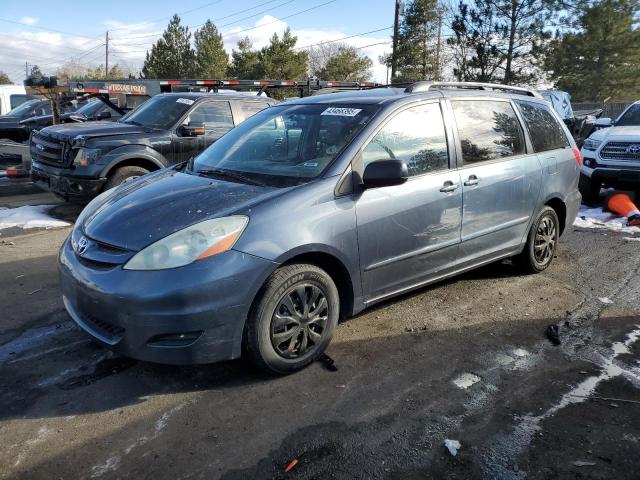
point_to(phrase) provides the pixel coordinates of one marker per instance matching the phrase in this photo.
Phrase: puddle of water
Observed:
(103, 369)
(32, 339)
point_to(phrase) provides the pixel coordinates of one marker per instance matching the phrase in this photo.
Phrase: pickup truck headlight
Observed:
(196, 242)
(86, 156)
(591, 144)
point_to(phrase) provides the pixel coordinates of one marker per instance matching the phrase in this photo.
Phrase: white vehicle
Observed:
(11, 96)
(612, 154)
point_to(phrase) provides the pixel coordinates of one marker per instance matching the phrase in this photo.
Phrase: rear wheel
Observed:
(293, 319)
(541, 243)
(124, 174)
(588, 188)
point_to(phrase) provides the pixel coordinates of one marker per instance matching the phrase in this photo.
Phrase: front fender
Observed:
(129, 152)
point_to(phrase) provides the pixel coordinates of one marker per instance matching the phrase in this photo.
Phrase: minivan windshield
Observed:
(631, 117)
(161, 111)
(285, 144)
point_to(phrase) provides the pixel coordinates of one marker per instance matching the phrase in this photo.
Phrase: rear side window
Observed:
(215, 114)
(489, 130)
(18, 99)
(248, 109)
(544, 129)
(416, 136)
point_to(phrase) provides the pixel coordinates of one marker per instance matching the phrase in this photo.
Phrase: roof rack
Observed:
(426, 86)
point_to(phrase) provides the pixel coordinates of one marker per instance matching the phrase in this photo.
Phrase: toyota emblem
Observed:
(83, 243)
(633, 148)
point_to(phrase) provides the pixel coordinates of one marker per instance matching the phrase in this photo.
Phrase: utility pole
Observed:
(106, 55)
(26, 69)
(396, 32)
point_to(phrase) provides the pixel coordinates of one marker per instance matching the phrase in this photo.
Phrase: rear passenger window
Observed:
(544, 129)
(489, 130)
(248, 109)
(214, 114)
(416, 136)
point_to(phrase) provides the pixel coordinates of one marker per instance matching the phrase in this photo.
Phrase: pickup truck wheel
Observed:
(292, 320)
(124, 173)
(588, 188)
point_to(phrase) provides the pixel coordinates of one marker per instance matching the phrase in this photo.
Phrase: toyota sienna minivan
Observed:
(313, 210)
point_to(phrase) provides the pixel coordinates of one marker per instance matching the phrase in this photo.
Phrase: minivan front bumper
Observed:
(188, 315)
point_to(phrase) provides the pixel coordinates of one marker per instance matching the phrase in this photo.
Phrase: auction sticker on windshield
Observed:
(185, 101)
(342, 112)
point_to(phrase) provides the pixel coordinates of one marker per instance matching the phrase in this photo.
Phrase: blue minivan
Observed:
(314, 209)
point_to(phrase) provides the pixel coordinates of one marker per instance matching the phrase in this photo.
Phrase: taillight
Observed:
(577, 154)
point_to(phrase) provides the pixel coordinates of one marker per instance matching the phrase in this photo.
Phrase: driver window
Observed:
(416, 136)
(212, 114)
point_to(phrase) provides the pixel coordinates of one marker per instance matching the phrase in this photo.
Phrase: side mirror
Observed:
(190, 130)
(385, 173)
(104, 114)
(603, 122)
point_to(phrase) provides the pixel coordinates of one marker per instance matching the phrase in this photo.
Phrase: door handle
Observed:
(449, 187)
(471, 181)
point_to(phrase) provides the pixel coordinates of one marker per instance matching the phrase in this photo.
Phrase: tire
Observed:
(589, 189)
(276, 344)
(544, 233)
(122, 174)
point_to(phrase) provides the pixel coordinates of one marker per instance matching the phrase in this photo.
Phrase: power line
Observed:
(280, 19)
(45, 28)
(343, 38)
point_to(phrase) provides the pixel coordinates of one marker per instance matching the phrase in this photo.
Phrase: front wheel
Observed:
(124, 174)
(292, 320)
(541, 243)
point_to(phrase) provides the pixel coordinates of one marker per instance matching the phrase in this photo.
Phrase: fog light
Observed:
(175, 339)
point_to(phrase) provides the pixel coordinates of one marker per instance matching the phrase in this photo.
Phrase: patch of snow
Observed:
(605, 300)
(33, 338)
(597, 218)
(520, 352)
(29, 216)
(465, 380)
(453, 446)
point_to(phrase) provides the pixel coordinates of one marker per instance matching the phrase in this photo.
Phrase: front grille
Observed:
(108, 330)
(629, 151)
(50, 151)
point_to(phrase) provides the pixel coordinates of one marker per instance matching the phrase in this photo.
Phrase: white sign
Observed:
(342, 112)
(185, 101)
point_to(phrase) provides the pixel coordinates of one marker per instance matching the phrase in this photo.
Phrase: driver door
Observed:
(410, 233)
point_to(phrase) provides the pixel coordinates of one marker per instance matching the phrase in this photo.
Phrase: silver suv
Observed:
(612, 154)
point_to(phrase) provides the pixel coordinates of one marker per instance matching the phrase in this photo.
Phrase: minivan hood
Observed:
(145, 210)
(69, 131)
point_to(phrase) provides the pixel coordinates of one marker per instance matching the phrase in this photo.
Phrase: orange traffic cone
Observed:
(621, 204)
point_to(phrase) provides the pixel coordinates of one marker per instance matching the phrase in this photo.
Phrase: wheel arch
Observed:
(560, 207)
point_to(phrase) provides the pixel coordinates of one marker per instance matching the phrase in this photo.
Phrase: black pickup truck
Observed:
(77, 161)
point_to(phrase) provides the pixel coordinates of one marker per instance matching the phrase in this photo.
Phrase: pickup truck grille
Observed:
(50, 151)
(621, 151)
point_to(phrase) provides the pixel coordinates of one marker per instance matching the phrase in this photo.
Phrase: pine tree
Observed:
(211, 57)
(4, 78)
(244, 61)
(172, 55)
(278, 60)
(35, 71)
(416, 51)
(346, 65)
(602, 57)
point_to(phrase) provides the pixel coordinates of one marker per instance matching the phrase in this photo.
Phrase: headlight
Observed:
(86, 156)
(196, 242)
(591, 144)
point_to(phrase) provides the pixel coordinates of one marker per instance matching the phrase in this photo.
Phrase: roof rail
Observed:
(429, 85)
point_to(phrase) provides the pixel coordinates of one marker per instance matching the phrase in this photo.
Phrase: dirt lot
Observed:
(465, 360)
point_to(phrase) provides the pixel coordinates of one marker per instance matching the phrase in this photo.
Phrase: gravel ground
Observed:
(465, 360)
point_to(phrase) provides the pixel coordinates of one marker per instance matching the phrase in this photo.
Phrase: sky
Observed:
(50, 33)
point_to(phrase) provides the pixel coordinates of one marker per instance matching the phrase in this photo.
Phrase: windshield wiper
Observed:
(221, 172)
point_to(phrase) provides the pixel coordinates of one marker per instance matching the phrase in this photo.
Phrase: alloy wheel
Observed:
(545, 241)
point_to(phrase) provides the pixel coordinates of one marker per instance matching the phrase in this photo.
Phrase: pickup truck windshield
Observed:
(161, 111)
(22, 109)
(630, 118)
(287, 144)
